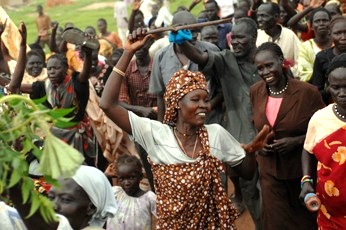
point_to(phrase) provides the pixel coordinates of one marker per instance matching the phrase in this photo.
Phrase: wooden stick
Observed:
(191, 26)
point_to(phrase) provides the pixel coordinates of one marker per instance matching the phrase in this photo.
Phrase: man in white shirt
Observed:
(120, 16)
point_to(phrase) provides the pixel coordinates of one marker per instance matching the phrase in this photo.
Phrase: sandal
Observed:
(78, 37)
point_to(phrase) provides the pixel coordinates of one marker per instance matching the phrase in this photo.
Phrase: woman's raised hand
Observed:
(137, 39)
(23, 33)
(259, 141)
(317, 3)
(136, 4)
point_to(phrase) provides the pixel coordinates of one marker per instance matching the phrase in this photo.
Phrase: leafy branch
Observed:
(22, 121)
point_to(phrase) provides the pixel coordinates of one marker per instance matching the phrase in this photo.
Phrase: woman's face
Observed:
(337, 86)
(72, 202)
(339, 36)
(34, 65)
(194, 107)
(56, 72)
(320, 23)
(269, 67)
(129, 178)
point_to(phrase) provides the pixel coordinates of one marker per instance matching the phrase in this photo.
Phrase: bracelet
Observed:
(6, 89)
(305, 179)
(118, 71)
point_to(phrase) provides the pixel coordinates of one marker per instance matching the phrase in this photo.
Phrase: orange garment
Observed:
(331, 187)
(114, 39)
(74, 62)
(111, 138)
(43, 25)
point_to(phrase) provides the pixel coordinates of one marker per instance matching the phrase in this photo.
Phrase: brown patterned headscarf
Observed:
(181, 83)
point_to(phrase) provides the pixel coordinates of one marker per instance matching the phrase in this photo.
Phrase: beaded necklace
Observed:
(338, 113)
(280, 92)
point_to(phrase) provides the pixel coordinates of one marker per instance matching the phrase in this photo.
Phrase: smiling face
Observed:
(72, 202)
(266, 18)
(339, 36)
(34, 65)
(56, 71)
(129, 178)
(269, 68)
(194, 107)
(337, 83)
(320, 23)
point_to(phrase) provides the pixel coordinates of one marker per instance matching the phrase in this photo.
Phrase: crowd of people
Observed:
(166, 119)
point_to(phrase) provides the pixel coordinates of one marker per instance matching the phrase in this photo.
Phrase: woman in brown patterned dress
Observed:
(185, 154)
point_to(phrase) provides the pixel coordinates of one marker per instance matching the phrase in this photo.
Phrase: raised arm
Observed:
(294, 21)
(288, 8)
(194, 54)
(83, 77)
(135, 8)
(193, 4)
(109, 102)
(253, 9)
(52, 41)
(18, 74)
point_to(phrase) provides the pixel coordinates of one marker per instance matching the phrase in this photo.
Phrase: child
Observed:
(136, 207)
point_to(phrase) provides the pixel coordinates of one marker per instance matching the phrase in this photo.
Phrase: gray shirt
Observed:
(235, 77)
(166, 63)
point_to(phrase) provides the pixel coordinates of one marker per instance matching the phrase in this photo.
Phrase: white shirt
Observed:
(162, 147)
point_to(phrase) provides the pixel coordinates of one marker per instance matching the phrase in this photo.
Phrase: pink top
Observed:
(272, 109)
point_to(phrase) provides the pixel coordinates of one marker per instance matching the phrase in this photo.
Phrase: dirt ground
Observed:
(244, 222)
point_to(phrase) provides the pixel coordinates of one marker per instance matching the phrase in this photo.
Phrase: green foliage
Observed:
(21, 121)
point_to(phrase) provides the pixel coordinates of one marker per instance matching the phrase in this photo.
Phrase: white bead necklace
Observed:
(280, 92)
(338, 113)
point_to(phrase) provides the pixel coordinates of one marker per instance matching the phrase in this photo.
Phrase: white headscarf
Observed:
(100, 192)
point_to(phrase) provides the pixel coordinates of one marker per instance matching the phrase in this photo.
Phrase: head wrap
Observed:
(337, 62)
(181, 83)
(100, 192)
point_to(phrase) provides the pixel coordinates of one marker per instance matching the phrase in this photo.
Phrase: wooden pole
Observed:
(191, 26)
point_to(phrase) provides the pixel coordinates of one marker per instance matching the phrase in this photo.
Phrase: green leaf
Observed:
(35, 203)
(47, 210)
(59, 158)
(27, 188)
(15, 177)
(57, 113)
(40, 101)
(63, 124)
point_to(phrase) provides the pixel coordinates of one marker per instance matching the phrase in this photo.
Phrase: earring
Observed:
(178, 107)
